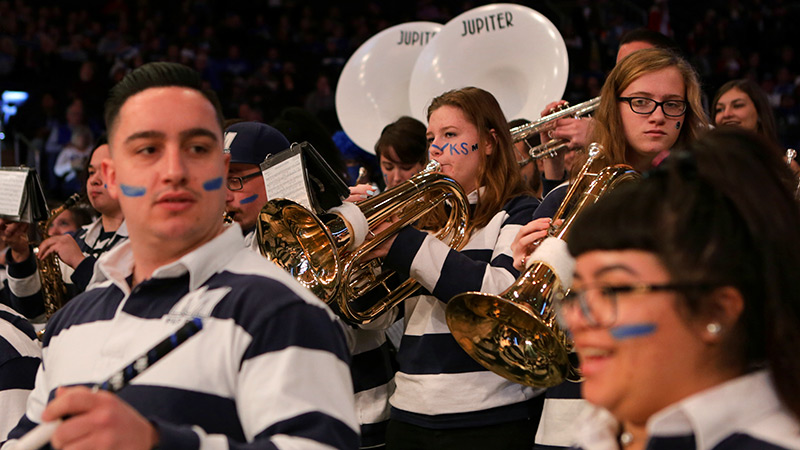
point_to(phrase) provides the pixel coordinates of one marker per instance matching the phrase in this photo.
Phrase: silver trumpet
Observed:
(552, 147)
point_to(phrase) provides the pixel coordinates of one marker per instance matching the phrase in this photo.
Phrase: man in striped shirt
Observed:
(269, 369)
(77, 253)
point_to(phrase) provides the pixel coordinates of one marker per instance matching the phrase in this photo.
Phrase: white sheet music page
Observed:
(286, 178)
(12, 185)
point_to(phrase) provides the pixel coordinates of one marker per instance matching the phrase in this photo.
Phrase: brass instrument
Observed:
(790, 154)
(54, 290)
(516, 334)
(324, 255)
(553, 146)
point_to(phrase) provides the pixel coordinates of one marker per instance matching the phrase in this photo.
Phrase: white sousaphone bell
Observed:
(372, 91)
(510, 50)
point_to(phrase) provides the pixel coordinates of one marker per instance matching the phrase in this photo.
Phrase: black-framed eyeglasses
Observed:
(601, 309)
(644, 105)
(237, 183)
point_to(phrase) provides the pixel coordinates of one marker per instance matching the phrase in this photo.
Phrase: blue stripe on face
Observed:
(132, 191)
(213, 184)
(631, 331)
(250, 199)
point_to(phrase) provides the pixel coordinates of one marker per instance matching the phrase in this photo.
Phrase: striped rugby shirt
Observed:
(20, 355)
(741, 414)
(372, 372)
(438, 385)
(23, 279)
(269, 368)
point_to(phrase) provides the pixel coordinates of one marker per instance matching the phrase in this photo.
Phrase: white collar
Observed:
(201, 263)
(473, 196)
(716, 413)
(710, 415)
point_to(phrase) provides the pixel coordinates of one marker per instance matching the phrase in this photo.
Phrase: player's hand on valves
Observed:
(65, 247)
(361, 192)
(528, 238)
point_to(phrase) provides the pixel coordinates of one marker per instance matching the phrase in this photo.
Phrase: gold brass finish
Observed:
(315, 250)
(54, 290)
(516, 334)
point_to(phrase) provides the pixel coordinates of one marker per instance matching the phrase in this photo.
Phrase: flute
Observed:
(41, 434)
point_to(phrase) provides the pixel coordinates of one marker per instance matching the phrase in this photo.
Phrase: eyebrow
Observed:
(650, 95)
(150, 134)
(604, 270)
(197, 132)
(184, 135)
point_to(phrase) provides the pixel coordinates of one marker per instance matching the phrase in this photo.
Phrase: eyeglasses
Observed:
(237, 183)
(601, 310)
(644, 105)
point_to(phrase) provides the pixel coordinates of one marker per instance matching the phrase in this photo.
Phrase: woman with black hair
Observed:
(684, 310)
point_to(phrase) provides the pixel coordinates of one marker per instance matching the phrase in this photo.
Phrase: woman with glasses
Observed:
(649, 104)
(684, 310)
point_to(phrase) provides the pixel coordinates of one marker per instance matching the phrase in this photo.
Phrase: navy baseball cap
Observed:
(251, 142)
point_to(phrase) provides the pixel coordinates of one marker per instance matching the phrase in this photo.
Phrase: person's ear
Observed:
(725, 306)
(489, 145)
(110, 177)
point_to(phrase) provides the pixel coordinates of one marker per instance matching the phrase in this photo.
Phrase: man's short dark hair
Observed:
(654, 38)
(156, 74)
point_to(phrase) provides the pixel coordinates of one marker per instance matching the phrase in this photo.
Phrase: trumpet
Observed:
(516, 334)
(552, 147)
(325, 253)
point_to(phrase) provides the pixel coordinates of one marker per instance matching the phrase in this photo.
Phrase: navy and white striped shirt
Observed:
(269, 368)
(372, 372)
(20, 355)
(24, 282)
(438, 385)
(742, 414)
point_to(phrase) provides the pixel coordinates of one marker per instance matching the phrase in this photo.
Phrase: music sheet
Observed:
(12, 188)
(284, 177)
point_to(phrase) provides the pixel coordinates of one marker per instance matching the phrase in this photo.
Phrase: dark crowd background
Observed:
(264, 56)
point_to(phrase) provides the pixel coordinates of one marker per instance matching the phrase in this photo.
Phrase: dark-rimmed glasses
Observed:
(237, 183)
(601, 310)
(644, 105)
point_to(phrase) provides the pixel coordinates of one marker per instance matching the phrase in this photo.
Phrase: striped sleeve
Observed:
(19, 360)
(24, 286)
(485, 264)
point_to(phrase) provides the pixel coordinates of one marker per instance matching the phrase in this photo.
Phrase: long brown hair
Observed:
(498, 172)
(608, 128)
(766, 119)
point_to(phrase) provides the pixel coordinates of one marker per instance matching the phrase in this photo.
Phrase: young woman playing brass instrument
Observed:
(649, 104)
(444, 399)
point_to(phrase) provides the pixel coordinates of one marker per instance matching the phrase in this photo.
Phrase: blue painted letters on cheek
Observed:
(633, 330)
(132, 191)
(213, 184)
(250, 199)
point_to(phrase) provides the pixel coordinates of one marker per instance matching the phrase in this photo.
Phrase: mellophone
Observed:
(515, 334)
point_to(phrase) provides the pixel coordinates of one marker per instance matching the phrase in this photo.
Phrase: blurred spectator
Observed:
(72, 160)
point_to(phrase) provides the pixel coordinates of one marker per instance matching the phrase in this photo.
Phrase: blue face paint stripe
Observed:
(250, 199)
(631, 331)
(132, 191)
(213, 184)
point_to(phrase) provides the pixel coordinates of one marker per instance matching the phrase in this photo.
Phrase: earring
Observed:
(714, 328)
